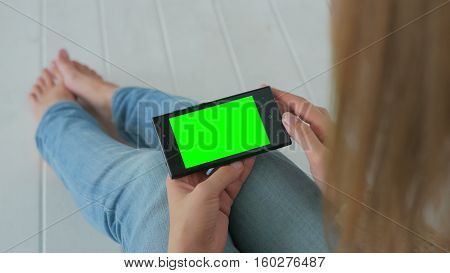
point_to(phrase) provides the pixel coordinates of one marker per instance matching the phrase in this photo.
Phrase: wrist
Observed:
(180, 246)
(179, 243)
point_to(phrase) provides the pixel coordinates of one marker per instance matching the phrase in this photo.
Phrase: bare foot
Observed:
(48, 90)
(87, 85)
(93, 93)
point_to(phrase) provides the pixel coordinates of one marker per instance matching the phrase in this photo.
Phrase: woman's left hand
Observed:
(200, 206)
(310, 126)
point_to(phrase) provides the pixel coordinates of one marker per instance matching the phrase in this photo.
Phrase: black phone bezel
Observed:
(270, 116)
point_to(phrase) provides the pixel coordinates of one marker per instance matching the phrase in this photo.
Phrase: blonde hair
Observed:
(391, 146)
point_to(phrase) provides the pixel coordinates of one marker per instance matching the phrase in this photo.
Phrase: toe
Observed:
(64, 64)
(40, 82)
(58, 78)
(63, 55)
(81, 67)
(77, 65)
(47, 77)
(93, 72)
(86, 68)
(36, 90)
(32, 97)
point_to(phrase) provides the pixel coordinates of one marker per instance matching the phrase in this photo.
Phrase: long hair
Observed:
(389, 166)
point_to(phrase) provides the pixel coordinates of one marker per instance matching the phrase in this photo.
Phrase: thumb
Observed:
(222, 178)
(302, 134)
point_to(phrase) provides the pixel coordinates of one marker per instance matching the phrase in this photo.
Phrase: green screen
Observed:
(219, 131)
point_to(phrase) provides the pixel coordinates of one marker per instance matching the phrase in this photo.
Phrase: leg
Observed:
(278, 203)
(133, 109)
(120, 190)
(279, 207)
(102, 174)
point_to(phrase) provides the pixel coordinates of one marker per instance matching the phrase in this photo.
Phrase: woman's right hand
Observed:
(309, 125)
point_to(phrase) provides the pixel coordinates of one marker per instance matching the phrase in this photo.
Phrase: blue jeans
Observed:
(121, 190)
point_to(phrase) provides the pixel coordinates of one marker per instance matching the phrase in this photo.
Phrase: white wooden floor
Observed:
(205, 49)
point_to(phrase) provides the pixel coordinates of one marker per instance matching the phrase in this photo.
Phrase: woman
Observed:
(382, 167)
(121, 190)
(388, 171)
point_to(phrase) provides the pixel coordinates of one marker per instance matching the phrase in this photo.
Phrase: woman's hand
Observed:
(200, 206)
(309, 126)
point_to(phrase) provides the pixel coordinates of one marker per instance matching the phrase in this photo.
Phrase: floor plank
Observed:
(78, 21)
(204, 70)
(74, 233)
(135, 44)
(311, 41)
(19, 184)
(262, 53)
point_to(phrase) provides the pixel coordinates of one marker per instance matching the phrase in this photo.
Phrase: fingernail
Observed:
(288, 119)
(237, 165)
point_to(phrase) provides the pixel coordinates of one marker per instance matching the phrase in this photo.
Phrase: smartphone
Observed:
(216, 133)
